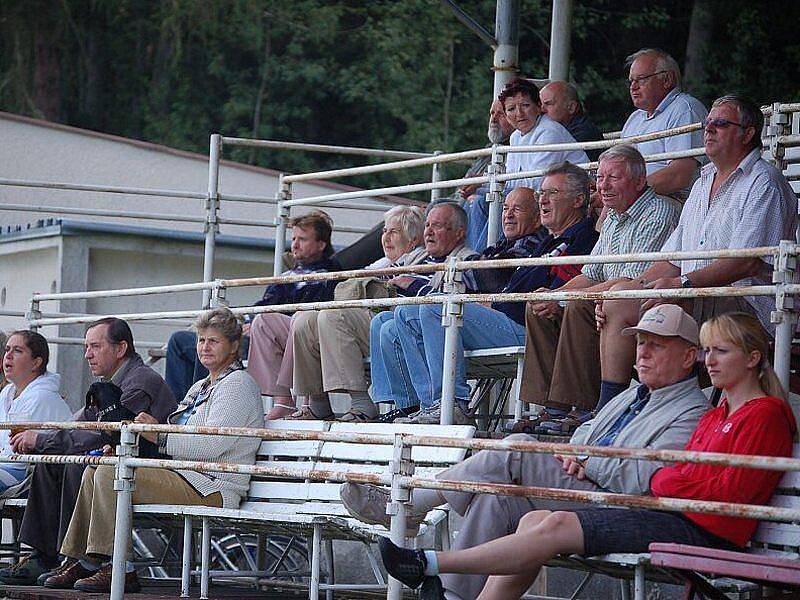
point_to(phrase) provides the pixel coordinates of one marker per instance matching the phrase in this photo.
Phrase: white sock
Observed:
(129, 568)
(432, 568)
(89, 566)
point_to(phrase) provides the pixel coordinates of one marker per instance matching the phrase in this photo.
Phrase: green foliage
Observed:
(401, 74)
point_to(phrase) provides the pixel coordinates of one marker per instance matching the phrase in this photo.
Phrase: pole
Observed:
(212, 206)
(451, 321)
(399, 466)
(784, 315)
(33, 315)
(506, 33)
(495, 195)
(560, 40)
(436, 177)
(281, 221)
(123, 485)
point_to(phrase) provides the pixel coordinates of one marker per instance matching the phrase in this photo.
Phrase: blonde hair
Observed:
(746, 332)
(221, 319)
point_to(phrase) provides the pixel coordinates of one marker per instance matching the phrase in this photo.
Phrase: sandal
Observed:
(355, 416)
(306, 414)
(279, 411)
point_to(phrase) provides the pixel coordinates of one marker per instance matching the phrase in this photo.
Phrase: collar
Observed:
(665, 102)
(636, 209)
(568, 233)
(690, 381)
(118, 373)
(745, 165)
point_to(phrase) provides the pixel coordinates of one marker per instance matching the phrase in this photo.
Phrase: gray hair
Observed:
(633, 159)
(221, 319)
(750, 115)
(577, 179)
(459, 217)
(664, 62)
(410, 218)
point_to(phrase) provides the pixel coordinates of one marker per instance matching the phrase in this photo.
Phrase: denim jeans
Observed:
(478, 220)
(183, 367)
(11, 474)
(391, 381)
(422, 339)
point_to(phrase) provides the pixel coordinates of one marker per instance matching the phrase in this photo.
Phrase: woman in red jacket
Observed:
(753, 404)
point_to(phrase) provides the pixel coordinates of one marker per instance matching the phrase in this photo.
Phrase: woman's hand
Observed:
(147, 419)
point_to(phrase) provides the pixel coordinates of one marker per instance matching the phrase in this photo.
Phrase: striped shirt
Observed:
(643, 227)
(756, 206)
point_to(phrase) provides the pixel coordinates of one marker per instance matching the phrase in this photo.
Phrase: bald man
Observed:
(561, 103)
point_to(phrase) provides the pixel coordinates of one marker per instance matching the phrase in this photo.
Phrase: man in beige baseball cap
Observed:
(668, 320)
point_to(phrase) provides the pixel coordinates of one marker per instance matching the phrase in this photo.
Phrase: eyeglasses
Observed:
(708, 121)
(637, 81)
(549, 193)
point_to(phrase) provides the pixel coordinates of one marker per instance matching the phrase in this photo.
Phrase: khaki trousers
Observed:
(488, 517)
(329, 350)
(562, 358)
(269, 360)
(91, 529)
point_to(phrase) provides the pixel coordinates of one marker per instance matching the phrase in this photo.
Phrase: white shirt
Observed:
(545, 131)
(40, 401)
(756, 206)
(675, 110)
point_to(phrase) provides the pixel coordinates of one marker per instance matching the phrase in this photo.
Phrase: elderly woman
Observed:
(32, 394)
(228, 397)
(330, 345)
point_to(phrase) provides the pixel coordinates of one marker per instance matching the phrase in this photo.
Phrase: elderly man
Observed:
(740, 201)
(503, 323)
(523, 108)
(560, 339)
(660, 413)
(561, 103)
(655, 88)
(54, 488)
(445, 230)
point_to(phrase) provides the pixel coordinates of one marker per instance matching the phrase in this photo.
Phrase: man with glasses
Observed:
(562, 348)
(654, 80)
(739, 201)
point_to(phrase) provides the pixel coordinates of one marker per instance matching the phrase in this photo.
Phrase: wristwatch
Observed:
(685, 281)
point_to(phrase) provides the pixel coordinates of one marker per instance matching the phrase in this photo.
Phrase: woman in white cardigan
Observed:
(228, 397)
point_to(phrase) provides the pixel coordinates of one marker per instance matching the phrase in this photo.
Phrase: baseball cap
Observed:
(669, 320)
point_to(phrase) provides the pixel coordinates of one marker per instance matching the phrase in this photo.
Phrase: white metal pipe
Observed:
(505, 60)
(435, 178)
(252, 223)
(212, 206)
(123, 485)
(316, 546)
(639, 583)
(272, 200)
(204, 559)
(186, 565)
(281, 222)
(75, 341)
(560, 40)
(99, 212)
(279, 145)
(451, 317)
(108, 189)
(158, 289)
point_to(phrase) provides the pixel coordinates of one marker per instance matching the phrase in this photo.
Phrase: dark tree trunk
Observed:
(46, 71)
(697, 44)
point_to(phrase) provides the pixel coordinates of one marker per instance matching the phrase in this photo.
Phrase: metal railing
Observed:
(399, 477)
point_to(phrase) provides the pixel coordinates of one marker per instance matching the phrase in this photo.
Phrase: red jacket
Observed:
(763, 426)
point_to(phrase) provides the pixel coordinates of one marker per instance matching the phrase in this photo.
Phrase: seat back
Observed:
(781, 539)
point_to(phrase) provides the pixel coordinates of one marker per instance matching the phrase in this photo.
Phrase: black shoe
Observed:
(390, 416)
(432, 589)
(62, 567)
(27, 570)
(407, 566)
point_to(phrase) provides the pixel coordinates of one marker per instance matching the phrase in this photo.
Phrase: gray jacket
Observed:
(437, 281)
(233, 401)
(666, 422)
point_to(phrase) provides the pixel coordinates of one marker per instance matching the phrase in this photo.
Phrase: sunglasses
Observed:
(709, 122)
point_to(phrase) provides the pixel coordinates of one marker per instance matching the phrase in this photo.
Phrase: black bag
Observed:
(103, 397)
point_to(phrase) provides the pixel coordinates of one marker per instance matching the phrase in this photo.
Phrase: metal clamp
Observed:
(218, 294)
(33, 315)
(401, 466)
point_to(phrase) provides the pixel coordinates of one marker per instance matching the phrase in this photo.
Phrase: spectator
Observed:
(740, 201)
(3, 380)
(31, 396)
(473, 197)
(658, 414)
(330, 345)
(270, 358)
(754, 404)
(444, 234)
(559, 338)
(54, 487)
(503, 324)
(561, 103)
(523, 109)
(228, 397)
(655, 88)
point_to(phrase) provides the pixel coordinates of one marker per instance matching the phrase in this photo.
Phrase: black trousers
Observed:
(51, 500)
